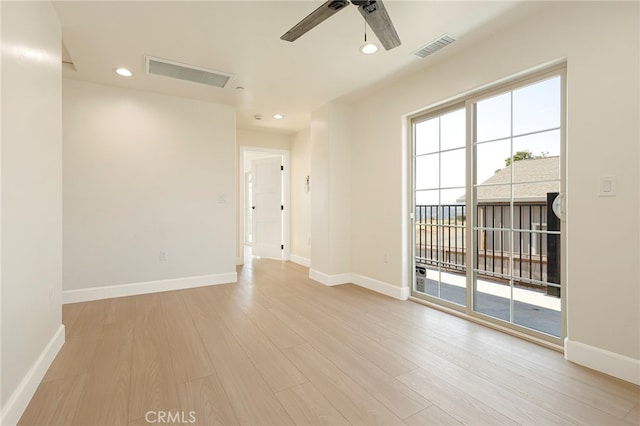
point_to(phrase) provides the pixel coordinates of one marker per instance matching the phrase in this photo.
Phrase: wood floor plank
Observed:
(198, 301)
(123, 329)
(276, 369)
(377, 353)
(75, 358)
(463, 407)
(567, 381)
(544, 362)
(468, 367)
(364, 317)
(70, 314)
(149, 319)
(306, 406)
(54, 402)
(205, 401)
(177, 419)
(633, 417)
(582, 403)
(281, 335)
(153, 382)
(353, 402)
(505, 401)
(401, 400)
(250, 396)
(357, 317)
(121, 309)
(433, 415)
(89, 322)
(105, 399)
(189, 357)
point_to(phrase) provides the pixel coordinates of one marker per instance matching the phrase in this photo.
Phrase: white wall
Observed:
(319, 164)
(330, 150)
(265, 139)
(143, 173)
(600, 41)
(31, 194)
(339, 188)
(300, 198)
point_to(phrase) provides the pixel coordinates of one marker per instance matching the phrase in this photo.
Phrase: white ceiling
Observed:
(243, 38)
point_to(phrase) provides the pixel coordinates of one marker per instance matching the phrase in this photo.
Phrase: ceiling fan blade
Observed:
(325, 11)
(378, 19)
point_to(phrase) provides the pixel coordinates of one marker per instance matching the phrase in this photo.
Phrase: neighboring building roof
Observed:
(530, 172)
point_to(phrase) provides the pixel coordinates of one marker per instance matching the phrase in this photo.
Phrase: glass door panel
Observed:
(439, 208)
(517, 165)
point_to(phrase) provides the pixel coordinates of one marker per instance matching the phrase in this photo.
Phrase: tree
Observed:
(523, 155)
(518, 156)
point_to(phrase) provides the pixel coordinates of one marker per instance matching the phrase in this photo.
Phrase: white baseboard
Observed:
(108, 292)
(329, 280)
(20, 398)
(302, 261)
(400, 293)
(611, 363)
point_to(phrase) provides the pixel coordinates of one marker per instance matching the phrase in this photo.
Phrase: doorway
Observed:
(264, 229)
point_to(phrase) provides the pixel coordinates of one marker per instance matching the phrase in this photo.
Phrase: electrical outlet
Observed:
(386, 258)
(163, 255)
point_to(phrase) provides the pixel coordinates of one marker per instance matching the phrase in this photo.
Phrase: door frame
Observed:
(286, 185)
(557, 67)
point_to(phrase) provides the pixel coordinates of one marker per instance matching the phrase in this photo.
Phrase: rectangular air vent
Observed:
(192, 73)
(434, 46)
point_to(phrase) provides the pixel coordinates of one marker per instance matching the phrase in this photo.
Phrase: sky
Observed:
(505, 124)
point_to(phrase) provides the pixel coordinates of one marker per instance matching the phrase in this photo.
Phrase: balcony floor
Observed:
(531, 309)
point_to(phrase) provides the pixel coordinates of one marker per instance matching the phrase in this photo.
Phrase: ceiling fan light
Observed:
(368, 48)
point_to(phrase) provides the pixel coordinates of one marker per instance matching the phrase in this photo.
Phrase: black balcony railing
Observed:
(440, 236)
(512, 242)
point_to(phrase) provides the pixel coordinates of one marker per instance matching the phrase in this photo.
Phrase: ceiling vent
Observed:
(192, 73)
(434, 46)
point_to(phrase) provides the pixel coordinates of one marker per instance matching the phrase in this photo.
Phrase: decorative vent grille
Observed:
(434, 46)
(192, 73)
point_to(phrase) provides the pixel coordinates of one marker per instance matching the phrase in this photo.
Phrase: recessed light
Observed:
(123, 72)
(257, 117)
(278, 116)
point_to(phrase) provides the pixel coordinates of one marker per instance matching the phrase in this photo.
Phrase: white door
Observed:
(267, 207)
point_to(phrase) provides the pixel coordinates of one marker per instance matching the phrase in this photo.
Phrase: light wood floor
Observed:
(279, 349)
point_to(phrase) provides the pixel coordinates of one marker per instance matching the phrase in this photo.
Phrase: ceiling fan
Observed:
(373, 11)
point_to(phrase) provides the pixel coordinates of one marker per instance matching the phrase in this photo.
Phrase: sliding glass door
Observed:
(488, 191)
